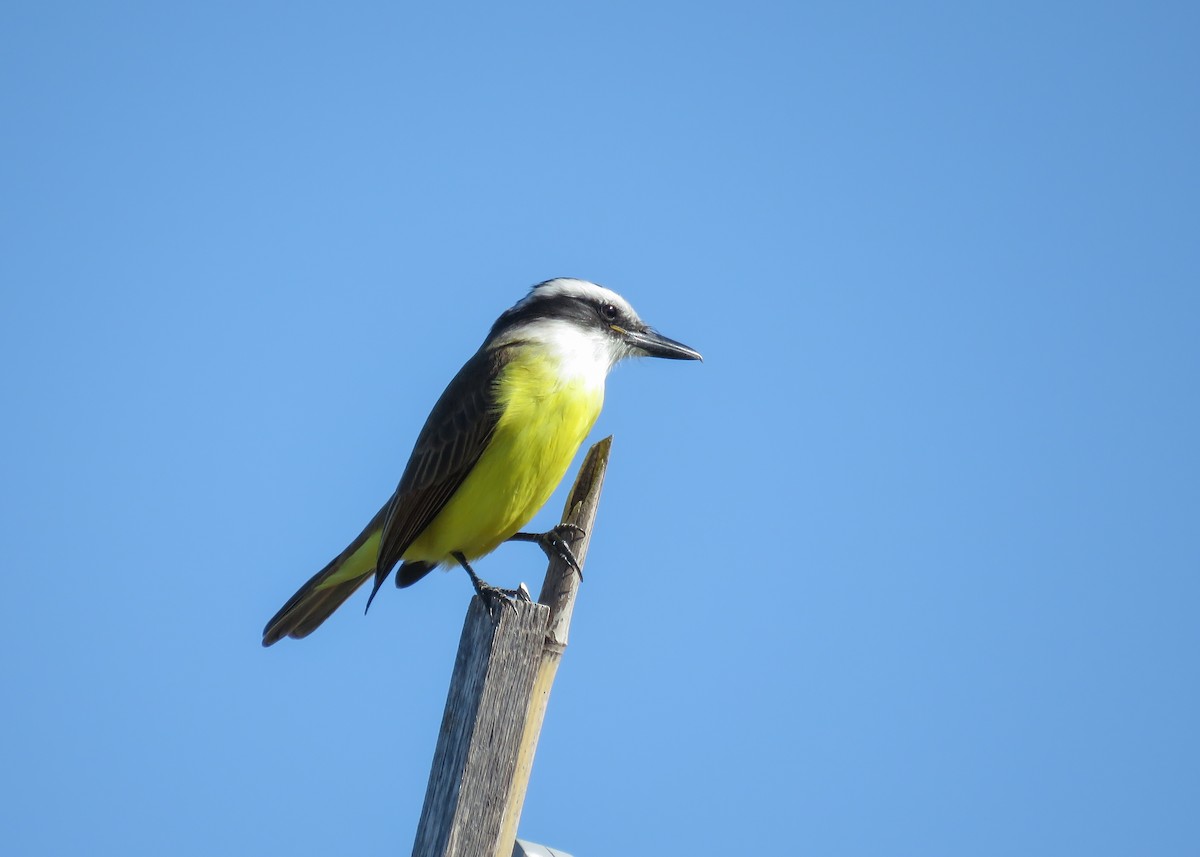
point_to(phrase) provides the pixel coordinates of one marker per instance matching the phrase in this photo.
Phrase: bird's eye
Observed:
(609, 312)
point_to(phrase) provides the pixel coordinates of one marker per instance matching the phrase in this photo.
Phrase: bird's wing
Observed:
(454, 437)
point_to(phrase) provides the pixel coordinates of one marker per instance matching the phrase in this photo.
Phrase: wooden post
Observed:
(497, 701)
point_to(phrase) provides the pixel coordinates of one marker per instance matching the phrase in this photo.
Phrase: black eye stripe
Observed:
(585, 310)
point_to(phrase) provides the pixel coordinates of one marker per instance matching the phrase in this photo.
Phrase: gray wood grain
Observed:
(481, 731)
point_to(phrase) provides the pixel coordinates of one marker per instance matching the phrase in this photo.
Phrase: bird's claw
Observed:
(557, 543)
(494, 597)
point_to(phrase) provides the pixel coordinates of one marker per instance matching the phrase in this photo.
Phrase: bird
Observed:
(493, 449)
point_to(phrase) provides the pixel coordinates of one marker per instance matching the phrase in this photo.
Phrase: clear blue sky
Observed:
(909, 566)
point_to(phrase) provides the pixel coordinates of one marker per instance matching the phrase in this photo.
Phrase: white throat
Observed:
(582, 356)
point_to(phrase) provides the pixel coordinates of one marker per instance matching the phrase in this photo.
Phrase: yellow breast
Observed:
(544, 418)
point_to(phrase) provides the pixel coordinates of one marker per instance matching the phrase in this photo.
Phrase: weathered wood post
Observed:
(497, 701)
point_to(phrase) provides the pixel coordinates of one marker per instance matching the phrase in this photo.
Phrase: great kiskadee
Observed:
(493, 449)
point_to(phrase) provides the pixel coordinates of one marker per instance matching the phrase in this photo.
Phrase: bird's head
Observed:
(576, 318)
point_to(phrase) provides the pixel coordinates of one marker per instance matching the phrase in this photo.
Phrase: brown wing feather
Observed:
(311, 605)
(454, 437)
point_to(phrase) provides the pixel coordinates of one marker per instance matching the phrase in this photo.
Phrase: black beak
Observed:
(654, 344)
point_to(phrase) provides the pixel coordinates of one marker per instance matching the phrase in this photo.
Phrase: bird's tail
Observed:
(328, 588)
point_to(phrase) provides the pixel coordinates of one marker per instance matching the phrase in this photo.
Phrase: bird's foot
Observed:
(494, 597)
(556, 543)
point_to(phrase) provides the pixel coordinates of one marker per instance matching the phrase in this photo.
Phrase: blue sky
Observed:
(909, 565)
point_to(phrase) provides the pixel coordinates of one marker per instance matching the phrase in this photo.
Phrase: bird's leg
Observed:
(555, 543)
(488, 594)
